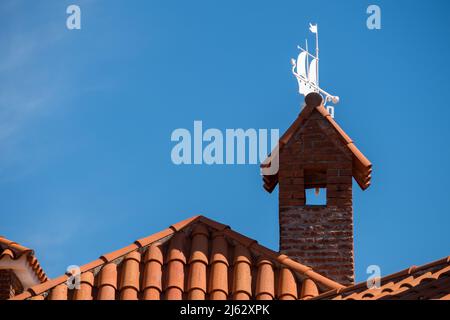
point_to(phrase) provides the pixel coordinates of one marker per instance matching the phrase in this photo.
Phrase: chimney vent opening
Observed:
(314, 198)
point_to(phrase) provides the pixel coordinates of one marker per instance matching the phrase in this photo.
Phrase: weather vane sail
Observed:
(307, 74)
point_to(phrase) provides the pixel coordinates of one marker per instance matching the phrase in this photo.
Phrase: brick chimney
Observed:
(10, 285)
(315, 153)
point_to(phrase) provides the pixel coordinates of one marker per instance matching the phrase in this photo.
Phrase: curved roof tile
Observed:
(195, 259)
(11, 252)
(430, 281)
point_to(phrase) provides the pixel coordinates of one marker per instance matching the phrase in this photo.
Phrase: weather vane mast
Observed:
(307, 74)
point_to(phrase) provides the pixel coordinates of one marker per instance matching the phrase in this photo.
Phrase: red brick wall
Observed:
(318, 236)
(9, 284)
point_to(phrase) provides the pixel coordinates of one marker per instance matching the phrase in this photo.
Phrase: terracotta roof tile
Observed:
(242, 276)
(220, 249)
(23, 296)
(430, 281)
(180, 225)
(7, 252)
(129, 284)
(309, 289)
(218, 282)
(287, 285)
(85, 290)
(59, 292)
(175, 264)
(199, 248)
(154, 237)
(14, 246)
(118, 253)
(12, 254)
(202, 259)
(152, 282)
(107, 285)
(92, 265)
(198, 263)
(43, 287)
(177, 248)
(265, 283)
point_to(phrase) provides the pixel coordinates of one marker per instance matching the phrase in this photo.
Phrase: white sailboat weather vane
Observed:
(307, 74)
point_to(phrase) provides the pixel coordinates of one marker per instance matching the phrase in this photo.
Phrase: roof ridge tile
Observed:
(180, 225)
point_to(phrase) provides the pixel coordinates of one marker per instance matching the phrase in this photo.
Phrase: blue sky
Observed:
(86, 118)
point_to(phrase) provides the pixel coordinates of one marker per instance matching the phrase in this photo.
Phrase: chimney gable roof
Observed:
(362, 167)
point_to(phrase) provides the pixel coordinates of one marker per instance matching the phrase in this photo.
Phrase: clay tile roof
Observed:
(23, 261)
(362, 168)
(195, 259)
(430, 281)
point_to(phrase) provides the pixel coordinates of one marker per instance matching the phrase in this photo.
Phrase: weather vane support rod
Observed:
(315, 29)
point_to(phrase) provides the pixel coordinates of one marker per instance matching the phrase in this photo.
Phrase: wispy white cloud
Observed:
(26, 87)
(31, 79)
(29, 88)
